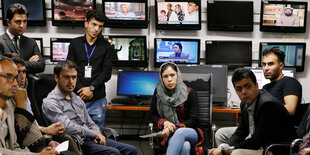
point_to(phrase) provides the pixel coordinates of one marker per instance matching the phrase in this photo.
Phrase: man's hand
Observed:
(48, 151)
(85, 93)
(21, 98)
(54, 129)
(101, 137)
(305, 151)
(215, 151)
(1, 113)
(53, 144)
(170, 126)
(34, 58)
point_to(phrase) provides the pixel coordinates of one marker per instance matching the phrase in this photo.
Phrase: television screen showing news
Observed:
(288, 15)
(72, 10)
(60, 51)
(177, 12)
(127, 48)
(125, 10)
(177, 51)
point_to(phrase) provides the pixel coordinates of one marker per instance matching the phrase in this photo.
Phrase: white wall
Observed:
(48, 31)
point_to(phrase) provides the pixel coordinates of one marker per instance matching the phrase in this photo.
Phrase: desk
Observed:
(221, 109)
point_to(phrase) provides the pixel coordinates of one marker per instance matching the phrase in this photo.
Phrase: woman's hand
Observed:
(165, 133)
(169, 126)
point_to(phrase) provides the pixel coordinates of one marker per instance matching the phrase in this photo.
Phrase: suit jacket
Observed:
(271, 120)
(182, 56)
(28, 48)
(11, 147)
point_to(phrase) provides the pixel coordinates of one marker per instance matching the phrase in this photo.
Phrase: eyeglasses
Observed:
(10, 78)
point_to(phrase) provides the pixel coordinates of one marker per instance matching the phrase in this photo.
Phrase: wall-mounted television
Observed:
(235, 54)
(283, 16)
(36, 9)
(39, 42)
(178, 14)
(230, 16)
(295, 53)
(126, 13)
(71, 12)
(179, 51)
(59, 49)
(128, 51)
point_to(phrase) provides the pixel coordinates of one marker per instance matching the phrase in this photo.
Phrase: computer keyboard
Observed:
(140, 103)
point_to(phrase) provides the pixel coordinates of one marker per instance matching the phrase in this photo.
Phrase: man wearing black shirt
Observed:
(92, 54)
(287, 89)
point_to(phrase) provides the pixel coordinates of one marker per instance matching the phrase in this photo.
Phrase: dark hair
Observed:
(163, 11)
(64, 64)
(179, 44)
(241, 73)
(4, 58)
(98, 15)
(166, 65)
(15, 58)
(16, 8)
(275, 50)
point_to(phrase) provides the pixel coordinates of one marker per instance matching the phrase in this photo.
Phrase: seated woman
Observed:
(174, 110)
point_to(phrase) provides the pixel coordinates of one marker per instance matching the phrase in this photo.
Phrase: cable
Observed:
(141, 148)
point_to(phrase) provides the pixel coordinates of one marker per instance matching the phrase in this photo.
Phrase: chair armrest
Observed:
(151, 140)
(293, 144)
(213, 128)
(282, 145)
(109, 131)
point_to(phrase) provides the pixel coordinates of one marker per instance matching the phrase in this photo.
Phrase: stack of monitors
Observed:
(128, 51)
(71, 12)
(36, 9)
(179, 51)
(295, 53)
(59, 49)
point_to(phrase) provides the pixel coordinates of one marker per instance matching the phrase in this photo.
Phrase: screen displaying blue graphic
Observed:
(137, 83)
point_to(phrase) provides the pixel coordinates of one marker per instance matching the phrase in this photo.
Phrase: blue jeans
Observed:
(112, 147)
(182, 141)
(96, 111)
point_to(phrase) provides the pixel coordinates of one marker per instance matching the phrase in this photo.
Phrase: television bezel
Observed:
(41, 22)
(67, 22)
(127, 23)
(130, 95)
(230, 27)
(157, 64)
(298, 68)
(178, 26)
(128, 63)
(52, 40)
(234, 66)
(41, 43)
(288, 29)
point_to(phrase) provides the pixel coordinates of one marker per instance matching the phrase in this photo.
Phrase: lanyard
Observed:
(89, 56)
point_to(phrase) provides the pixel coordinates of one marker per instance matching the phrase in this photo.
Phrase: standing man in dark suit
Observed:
(93, 56)
(15, 42)
(264, 119)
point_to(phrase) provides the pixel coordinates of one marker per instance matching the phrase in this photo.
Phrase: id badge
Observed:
(88, 71)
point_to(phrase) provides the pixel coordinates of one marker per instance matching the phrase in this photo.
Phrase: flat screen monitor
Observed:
(178, 14)
(126, 13)
(137, 83)
(283, 16)
(295, 54)
(39, 42)
(59, 49)
(235, 54)
(71, 12)
(230, 16)
(261, 80)
(179, 51)
(36, 9)
(128, 51)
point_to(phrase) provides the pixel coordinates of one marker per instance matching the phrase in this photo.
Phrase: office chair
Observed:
(202, 83)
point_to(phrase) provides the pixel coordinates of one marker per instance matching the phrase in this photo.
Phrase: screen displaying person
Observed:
(288, 18)
(178, 54)
(125, 12)
(169, 10)
(192, 13)
(177, 16)
(162, 16)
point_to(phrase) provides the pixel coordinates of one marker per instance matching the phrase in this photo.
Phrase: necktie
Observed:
(15, 42)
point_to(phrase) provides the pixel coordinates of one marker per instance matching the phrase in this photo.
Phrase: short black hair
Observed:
(98, 15)
(166, 65)
(15, 58)
(4, 58)
(275, 50)
(241, 73)
(15, 8)
(64, 64)
(178, 44)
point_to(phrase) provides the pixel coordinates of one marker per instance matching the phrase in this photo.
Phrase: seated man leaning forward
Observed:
(264, 119)
(62, 105)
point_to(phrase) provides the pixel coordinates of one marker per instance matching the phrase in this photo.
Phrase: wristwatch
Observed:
(92, 88)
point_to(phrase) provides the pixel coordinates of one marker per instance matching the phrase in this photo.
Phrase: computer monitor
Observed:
(261, 80)
(235, 54)
(230, 15)
(283, 16)
(295, 53)
(178, 14)
(179, 51)
(39, 42)
(71, 12)
(59, 49)
(36, 9)
(128, 51)
(126, 13)
(137, 83)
